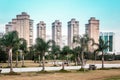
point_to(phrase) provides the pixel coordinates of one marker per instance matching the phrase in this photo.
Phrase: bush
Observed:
(3, 56)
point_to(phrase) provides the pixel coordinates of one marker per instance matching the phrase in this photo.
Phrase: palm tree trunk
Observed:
(78, 60)
(95, 58)
(82, 60)
(75, 62)
(43, 60)
(39, 60)
(54, 60)
(63, 66)
(67, 60)
(17, 59)
(102, 59)
(23, 60)
(11, 66)
(8, 59)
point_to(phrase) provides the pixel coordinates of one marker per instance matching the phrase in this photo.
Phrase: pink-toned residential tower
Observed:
(57, 32)
(41, 30)
(92, 29)
(73, 30)
(23, 25)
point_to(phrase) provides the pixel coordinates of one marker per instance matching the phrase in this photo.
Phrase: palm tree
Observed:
(3, 55)
(10, 40)
(32, 51)
(23, 48)
(16, 51)
(65, 52)
(102, 46)
(43, 47)
(83, 42)
(55, 52)
(77, 54)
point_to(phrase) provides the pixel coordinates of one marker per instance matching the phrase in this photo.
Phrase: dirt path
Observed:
(92, 75)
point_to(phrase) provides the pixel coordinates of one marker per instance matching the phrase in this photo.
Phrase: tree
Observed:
(65, 51)
(83, 42)
(3, 55)
(42, 47)
(55, 52)
(9, 40)
(102, 46)
(77, 54)
(16, 52)
(31, 54)
(23, 48)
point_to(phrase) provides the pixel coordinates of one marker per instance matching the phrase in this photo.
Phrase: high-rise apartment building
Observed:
(73, 30)
(1, 34)
(41, 30)
(92, 29)
(57, 32)
(23, 25)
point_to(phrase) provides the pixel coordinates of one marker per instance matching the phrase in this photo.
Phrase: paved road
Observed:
(33, 69)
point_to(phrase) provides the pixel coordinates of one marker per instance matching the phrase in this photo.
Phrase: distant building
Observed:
(1, 35)
(109, 36)
(73, 30)
(41, 30)
(64, 40)
(92, 29)
(57, 32)
(23, 25)
(117, 43)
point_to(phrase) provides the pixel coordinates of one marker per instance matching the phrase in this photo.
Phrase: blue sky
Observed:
(107, 11)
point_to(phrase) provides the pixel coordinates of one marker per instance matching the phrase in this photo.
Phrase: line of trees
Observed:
(11, 46)
(10, 43)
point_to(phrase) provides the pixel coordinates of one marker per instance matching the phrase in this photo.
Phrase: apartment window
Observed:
(31, 41)
(58, 29)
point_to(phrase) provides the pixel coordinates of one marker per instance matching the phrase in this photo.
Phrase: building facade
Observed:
(109, 36)
(1, 34)
(57, 32)
(23, 25)
(92, 29)
(41, 30)
(73, 30)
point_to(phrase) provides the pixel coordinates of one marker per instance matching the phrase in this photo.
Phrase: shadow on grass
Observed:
(49, 72)
(12, 73)
(44, 72)
(63, 71)
(108, 68)
(83, 70)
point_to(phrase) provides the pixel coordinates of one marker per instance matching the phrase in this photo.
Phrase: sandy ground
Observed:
(91, 75)
(29, 63)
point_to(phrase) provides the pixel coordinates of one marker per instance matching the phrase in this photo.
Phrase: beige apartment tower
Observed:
(23, 25)
(57, 32)
(41, 30)
(92, 29)
(73, 30)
